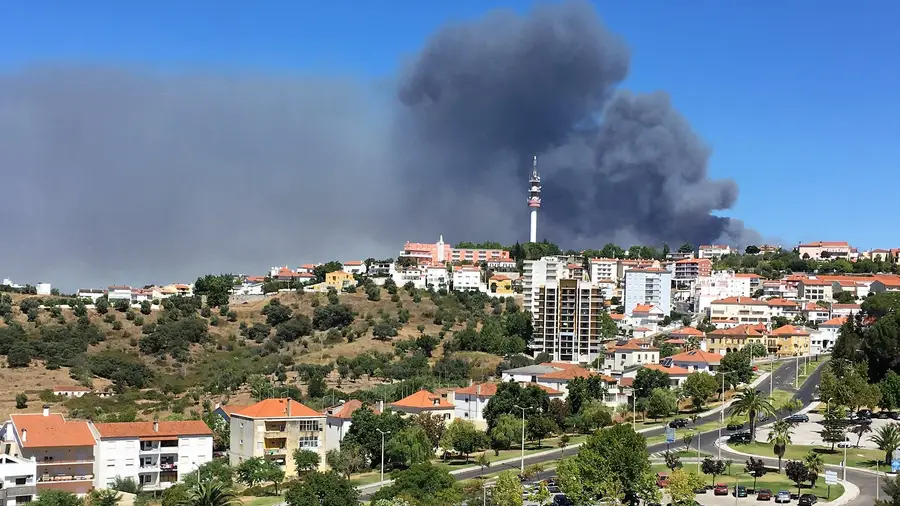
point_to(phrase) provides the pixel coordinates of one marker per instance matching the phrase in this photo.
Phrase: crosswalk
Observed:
(673, 449)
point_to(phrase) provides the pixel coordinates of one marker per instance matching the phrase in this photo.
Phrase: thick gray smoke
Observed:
(119, 176)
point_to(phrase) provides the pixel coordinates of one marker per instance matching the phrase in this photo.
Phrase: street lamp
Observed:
(522, 466)
(722, 421)
(382, 452)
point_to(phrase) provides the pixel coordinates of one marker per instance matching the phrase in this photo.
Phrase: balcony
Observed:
(62, 478)
(50, 461)
(150, 449)
(276, 451)
(17, 490)
(170, 466)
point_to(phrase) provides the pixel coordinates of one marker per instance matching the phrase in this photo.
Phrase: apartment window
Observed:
(309, 442)
(110, 463)
(21, 481)
(129, 462)
(309, 425)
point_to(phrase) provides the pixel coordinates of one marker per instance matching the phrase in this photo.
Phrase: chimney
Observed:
(155, 426)
(381, 406)
(218, 405)
(46, 410)
(288, 407)
(478, 390)
(451, 396)
(24, 435)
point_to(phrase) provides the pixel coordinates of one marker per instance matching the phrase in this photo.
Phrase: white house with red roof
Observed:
(354, 267)
(424, 401)
(828, 250)
(339, 418)
(18, 477)
(677, 375)
(822, 339)
(629, 355)
(471, 401)
(815, 313)
(467, 278)
(694, 361)
(844, 309)
(646, 315)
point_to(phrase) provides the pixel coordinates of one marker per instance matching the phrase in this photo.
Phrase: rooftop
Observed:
(146, 429)
(423, 399)
(51, 430)
(697, 356)
(277, 408)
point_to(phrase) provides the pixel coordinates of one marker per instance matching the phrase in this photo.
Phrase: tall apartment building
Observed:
(651, 286)
(604, 269)
(156, 455)
(18, 480)
(567, 322)
(273, 429)
(690, 269)
(537, 273)
(63, 450)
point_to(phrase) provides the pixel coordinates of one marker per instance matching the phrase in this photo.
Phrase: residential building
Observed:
(62, 450)
(415, 275)
(754, 280)
(788, 341)
(694, 361)
(476, 256)
(719, 285)
(724, 341)
(646, 315)
(424, 401)
(779, 288)
(859, 289)
(652, 286)
(559, 380)
(115, 293)
(815, 289)
(380, 269)
(604, 269)
(567, 324)
(726, 312)
(823, 339)
(471, 400)
(784, 307)
(630, 355)
(500, 265)
(18, 480)
(284, 274)
(536, 274)
(885, 284)
(467, 278)
(306, 269)
(820, 250)
(156, 455)
(677, 375)
(815, 314)
(439, 253)
(690, 269)
(90, 293)
(273, 429)
(43, 288)
(437, 277)
(339, 419)
(354, 267)
(247, 288)
(501, 285)
(714, 251)
(529, 373)
(846, 310)
(71, 391)
(339, 279)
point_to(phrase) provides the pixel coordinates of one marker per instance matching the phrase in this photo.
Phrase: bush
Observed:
(21, 400)
(19, 355)
(117, 325)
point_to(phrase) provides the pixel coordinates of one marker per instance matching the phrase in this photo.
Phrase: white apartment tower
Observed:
(537, 273)
(648, 286)
(567, 323)
(534, 198)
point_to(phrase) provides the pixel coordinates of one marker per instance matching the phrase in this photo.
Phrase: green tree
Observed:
(755, 468)
(462, 436)
(347, 459)
(646, 380)
(595, 414)
(363, 431)
(215, 470)
(176, 495)
(736, 367)
(322, 489)
(507, 431)
(433, 425)
(682, 485)
(887, 438)
(19, 355)
(146, 307)
(686, 248)
(423, 485)
(713, 467)
(662, 403)
(541, 495)
(102, 305)
(305, 460)
(210, 493)
(539, 427)
(797, 472)
(251, 471)
(410, 446)
(890, 391)
(273, 474)
(672, 461)
(891, 489)
(52, 497)
(753, 404)
(21, 400)
(816, 465)
(833, 425)
(700, 387)
(780, 437)
(612, 459)
(507, 491)
(510, 394)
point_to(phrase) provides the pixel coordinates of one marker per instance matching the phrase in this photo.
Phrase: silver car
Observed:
(783, 496)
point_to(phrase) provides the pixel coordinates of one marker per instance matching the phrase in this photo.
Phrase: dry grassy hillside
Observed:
(226, 348)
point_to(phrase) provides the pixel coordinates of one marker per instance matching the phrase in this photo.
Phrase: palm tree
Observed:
(752, 403)
(210, 493)
(780, 435)
(887, 437)
(816, 465)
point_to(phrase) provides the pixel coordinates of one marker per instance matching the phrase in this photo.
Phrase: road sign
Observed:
(830, 477)
(670, 434)
(895, 466)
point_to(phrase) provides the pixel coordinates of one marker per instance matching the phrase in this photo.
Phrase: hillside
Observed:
(175, 361)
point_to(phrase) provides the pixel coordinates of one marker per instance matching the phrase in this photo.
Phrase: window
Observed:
(129, 462)
(309, 425)
(21, 481)
(309, 442)
(110, 463)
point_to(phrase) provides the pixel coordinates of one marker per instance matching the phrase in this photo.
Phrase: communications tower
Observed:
(534, 198)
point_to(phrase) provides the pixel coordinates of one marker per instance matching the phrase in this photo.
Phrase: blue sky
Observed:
(798, 99)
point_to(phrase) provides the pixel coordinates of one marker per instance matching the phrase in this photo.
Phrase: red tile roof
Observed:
(616, 316)
(676, 342)
(635, 345)
(277, 408)
(673, 370)
(686, 331)
(569, 373)
(782, 303)
(353, 262)
(697, 356)
(740, 300)
(51, 431)
(345, 411)
(423, 399)
(834, 322)
(643, 308)
(145, 429)
(740, 330)
(490, 389)
(789, 330)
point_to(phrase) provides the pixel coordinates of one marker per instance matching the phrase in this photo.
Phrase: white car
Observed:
(783, 497)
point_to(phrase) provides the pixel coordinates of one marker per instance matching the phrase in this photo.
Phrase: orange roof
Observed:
(694, 261)
(815, 282)
(834, 322)
(697, 356)
(810, 306)
(231, 409)
(626, 382)
(675, 341)
(746, 275)
(891, 281)
(490, 389)
(499, 277)
(643, 329)
(308, 266)
(826, 244)
(284, 272)
(635, 345)
(256, 279)
(423, 399)
(145, 429)
(673, 370)
(789, 330)
(277, 408)
(617, 316)
(71, 389)
(353, 262)
(51, 431)
(686, 331)
(569, 373)
(845, 306)
(740, 300)
(642, 308)
(741, 330)
(782, 302)
(345, 410)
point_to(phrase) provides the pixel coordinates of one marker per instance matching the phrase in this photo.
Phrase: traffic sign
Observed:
(830, 477)
(670, 434)
(895, 466)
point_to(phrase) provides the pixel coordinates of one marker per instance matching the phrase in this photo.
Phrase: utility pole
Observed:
(522, 466)
(382, 451)
(722, 419)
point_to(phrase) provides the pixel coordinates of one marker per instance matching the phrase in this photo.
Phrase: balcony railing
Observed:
(276, 451)
(50, 461)
(64, 478)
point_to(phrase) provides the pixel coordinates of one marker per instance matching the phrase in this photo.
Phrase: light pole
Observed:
(698, 452)
(633, 409)
(382, 451)
(722, 419)
(797, 369)
(522, 466)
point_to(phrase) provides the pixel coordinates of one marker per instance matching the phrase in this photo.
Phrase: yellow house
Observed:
(788, 341)
(339, 279)
(501, 284)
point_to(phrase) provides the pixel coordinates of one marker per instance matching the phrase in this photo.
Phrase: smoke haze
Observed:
(120, 176)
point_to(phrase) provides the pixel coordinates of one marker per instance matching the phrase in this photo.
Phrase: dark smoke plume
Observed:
(119, 176)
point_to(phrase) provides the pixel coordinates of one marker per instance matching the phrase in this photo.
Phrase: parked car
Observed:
(846, 444)
(701, 490)
(735, 426)
(798, 418)
(864, 414)
(720, 489)
(783, 496)
(807, 500)
(562, 500)
(740, 437)
(662, 480)
(679, 423)
(553, 489)
(883, 415)
(764, 495)
(740, 491)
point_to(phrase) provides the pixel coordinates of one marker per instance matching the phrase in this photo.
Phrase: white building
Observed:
(694, 361)
(824, 250)
(18, 480)
(115, 293)
(467, 278)
(354, 267)
(380, 269)
(651, 286)
(719, 285)
(537, 273)
(273, 429)
(823, 339)
(471, 400)
(813, 289)
(414, 275)
(156, 455)
(437, 277)
(71, 391)
(714, 251)
(424, 401)
(604, 269)
(247, 288)
(43, 288)
(90, 293)
(630, 355)
(838, 310)
(338, 420)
